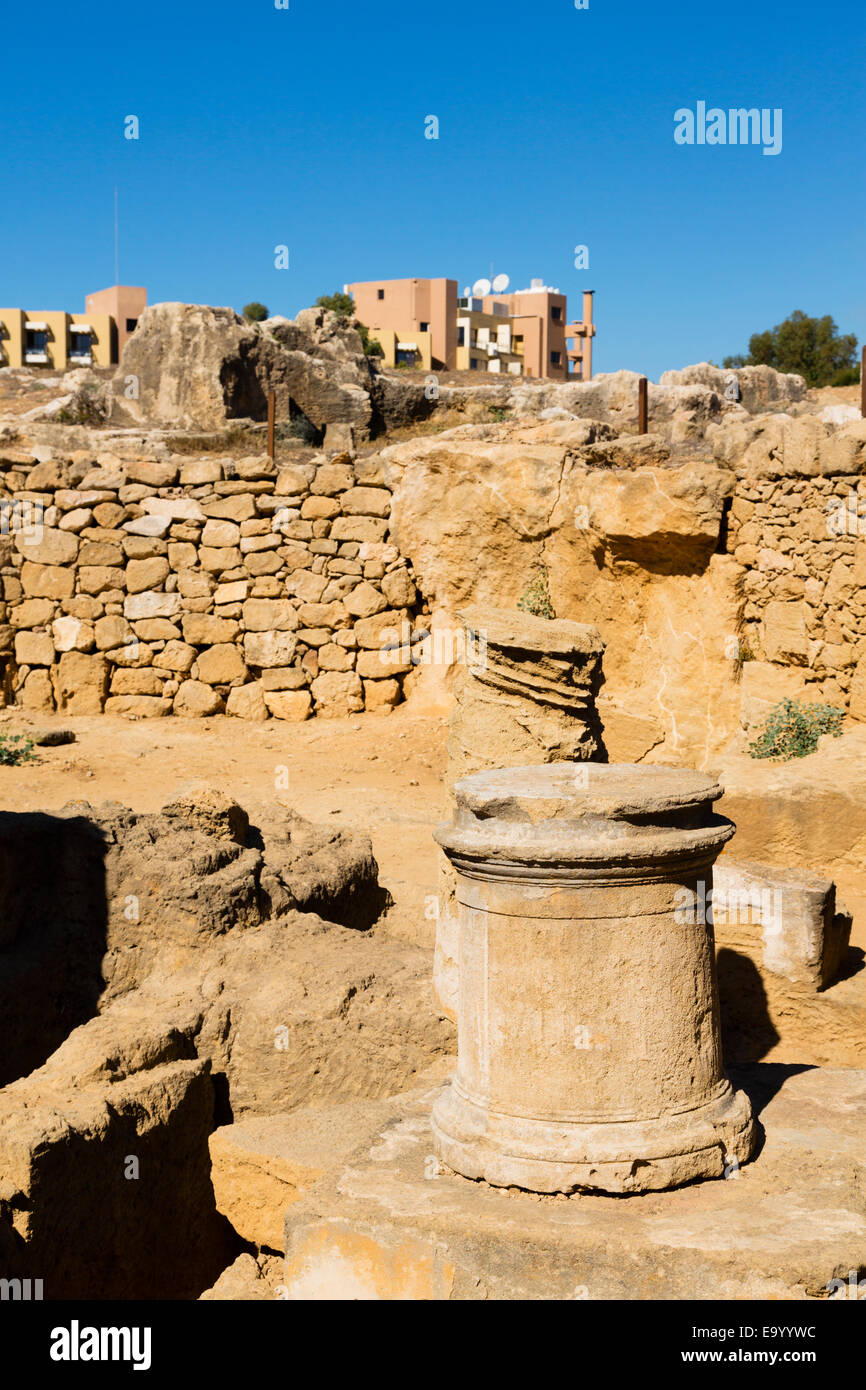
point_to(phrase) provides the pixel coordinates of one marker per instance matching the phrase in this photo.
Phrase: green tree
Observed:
(339, 303)
(814, 348)
(255, 311)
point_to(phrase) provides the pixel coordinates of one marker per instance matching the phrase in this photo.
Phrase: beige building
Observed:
(523, 334)
(125, 304)
(57, 340)
(408, 308)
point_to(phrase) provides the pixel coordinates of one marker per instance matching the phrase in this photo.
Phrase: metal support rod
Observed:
(642, 405)
(272, 412)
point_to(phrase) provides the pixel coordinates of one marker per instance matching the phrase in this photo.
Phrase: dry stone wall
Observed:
(797, 526)
(197, 586)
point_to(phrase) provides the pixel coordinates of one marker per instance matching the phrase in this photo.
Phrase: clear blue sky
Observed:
(306, 127)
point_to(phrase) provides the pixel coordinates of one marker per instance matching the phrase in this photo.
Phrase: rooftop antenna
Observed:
(116, 243)
(500, 284)
(481, 288)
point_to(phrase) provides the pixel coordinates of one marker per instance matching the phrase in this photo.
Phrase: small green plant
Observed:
(87, 408)
(372, 346)
(255, 312)
(15, 749)
(792, 730)
(499, 413)
(535, 598)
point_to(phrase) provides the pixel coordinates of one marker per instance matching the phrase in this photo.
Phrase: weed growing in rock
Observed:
(15, 749)
(86, 408)
(792, 730)
(535, 598)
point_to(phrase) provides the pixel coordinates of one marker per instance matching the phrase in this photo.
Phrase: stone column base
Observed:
(673, 1149)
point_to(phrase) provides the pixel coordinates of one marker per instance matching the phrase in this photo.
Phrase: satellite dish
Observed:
(467, 292)
(481, 288)
(501, 283)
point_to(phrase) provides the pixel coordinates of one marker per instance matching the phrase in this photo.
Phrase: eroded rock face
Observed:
(632, 550)
(94, 895)
(221, 993)
(104, 1169)
(758, 388)
(198, 367)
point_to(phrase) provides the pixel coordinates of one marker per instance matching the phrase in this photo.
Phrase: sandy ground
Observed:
(382, 774)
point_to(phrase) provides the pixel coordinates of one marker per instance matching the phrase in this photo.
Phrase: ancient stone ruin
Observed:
(602, 1035)
(589, 1045)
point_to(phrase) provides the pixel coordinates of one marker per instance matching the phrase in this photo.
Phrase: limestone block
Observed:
(221, 665)
(366, 501)
(47, 581)
(177, 656)
(379, 695)
(206, 630)
(294, 705)
(358, 528)
(269, 648)
(380, 630)
(37, 692)
(146, 574)
(221, 534)
(138, 706)
(47, 545)
(151, 605)
(141, 680)
(784, 919)
(96, 579)
(175, 508)
(71, 634)
(247, 702)
(284, 678)
(33, 612)
(215, 561)
(80, 683)
(194, 700)
(784, 632)
(332, 478)
(269, 615)
(34, 649)
(399, 589)
(364, 600)
(101, 553)
(338, 693)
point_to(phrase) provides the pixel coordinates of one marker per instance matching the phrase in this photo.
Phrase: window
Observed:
(79, 344)
(425, 328)
(556, 313)
(473, 363)
(36, 344)
(131, 325)
(461, 336)
(380, 294)
(556, 358)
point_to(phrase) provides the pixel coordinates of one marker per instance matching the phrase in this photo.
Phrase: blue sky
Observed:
(305, 127)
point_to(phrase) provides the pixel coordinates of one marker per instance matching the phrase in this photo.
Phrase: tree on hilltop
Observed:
(341, 304)
(813, 348)
(255, 312)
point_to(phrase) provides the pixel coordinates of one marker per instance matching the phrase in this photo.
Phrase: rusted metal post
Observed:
(863, 384)
(642, 405)
(272, 413)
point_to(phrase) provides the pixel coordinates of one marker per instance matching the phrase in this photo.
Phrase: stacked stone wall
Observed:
(195, 586)
(802, 542)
